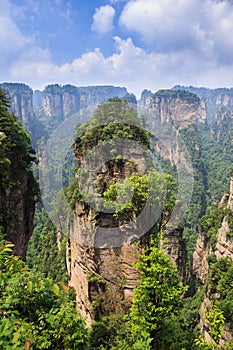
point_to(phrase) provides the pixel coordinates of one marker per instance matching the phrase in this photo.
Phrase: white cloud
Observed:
(103, 19)
(190, 44)
(172, 26)
(129, 66)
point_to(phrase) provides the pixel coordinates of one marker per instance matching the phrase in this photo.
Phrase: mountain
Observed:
(188, 132)
(213, 266)
(215, 99)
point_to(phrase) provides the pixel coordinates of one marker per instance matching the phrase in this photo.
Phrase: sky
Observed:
(139, 44)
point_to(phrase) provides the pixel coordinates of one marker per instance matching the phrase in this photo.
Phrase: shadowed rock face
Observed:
(22, 203)
(18, 186)
(21, 96)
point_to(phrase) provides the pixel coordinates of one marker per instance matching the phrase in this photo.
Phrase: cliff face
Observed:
(103, 278)
(21, 99)
(58, 101)
(215, 99)
(180, 108)
(55, 103)
(222, 249)
(18, 187)
(224, 244)
(20, 204)
(21, 102)
(61, 102)
(175, 246)
(171, 112)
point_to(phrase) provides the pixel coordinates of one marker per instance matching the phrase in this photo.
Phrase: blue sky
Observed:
(138, 44)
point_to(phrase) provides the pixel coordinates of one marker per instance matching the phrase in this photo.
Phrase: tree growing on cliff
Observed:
(158, 293)
(16, 159)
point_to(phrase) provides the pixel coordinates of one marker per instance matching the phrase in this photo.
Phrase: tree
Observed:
(35, 313)
(17, 185)
(158, 293)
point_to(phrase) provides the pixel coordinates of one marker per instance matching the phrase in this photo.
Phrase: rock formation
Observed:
(180, 108)
(60, 102)
(222, 249)
(21, 202)
(215, 99)
(21, 102)
(18, 187)
(174, 245)
(101, 249)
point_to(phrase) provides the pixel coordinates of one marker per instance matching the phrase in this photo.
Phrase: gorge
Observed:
(104, 278)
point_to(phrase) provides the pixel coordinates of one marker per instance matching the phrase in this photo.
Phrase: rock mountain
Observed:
(99, 274)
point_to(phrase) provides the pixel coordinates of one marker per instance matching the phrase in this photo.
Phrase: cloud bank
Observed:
(184, 42)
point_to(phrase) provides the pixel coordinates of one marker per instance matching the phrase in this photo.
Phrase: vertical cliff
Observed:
(104, 245)
(172, 112)
(214, 246)
(215, 99)
(180, 108)
(21, 104)
(18, 187)
(59, 102)
(101, 251)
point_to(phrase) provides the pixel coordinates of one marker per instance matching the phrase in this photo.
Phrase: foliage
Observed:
(105, 334)
(16, 160)
(216, 321)
(117, 195)
(47, 248)
(35, 313)
(221, 283)
(182, 94)
(112, 119)
(229, 218)
(211, 222)
(158, 293)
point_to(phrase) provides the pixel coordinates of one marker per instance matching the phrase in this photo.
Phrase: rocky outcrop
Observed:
(200, 258)
(180, 108)
(21, 99)
(104, 278)
(222, 249)
(20, 203)
(60, 102)
(169, 112)
(215, 99)
(21, 102)
(174, 245)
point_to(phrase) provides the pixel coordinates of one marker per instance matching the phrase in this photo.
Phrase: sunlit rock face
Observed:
(104, 278)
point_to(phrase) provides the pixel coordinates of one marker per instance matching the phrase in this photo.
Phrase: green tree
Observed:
(157, 295)
(35, 313)
(16, 160)
(47, 248)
